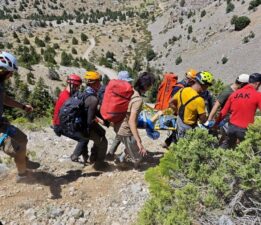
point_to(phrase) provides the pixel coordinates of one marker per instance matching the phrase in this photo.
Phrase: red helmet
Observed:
(74, 79)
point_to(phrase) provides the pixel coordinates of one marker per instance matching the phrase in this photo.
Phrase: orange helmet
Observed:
(191, 74)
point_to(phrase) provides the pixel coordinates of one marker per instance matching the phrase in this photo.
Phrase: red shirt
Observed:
(242, 104)
(64, 95)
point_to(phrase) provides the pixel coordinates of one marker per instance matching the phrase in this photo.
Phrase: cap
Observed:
(255, 77)
(243, 78)
(124, 75)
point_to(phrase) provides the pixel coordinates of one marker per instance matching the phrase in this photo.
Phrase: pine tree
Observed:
(40, 99)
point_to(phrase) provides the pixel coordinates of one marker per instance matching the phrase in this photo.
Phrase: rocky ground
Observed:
(64, 192)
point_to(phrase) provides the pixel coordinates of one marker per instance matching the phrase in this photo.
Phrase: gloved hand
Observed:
(222, 123)
(57, 130)
(209, 123)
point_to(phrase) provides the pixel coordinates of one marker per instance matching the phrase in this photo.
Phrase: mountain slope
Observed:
(211, 39)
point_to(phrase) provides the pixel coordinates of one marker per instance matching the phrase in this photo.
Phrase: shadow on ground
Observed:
(55, 182)
(152, 159)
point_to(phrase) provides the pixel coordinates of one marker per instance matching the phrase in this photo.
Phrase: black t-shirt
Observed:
(90, 105)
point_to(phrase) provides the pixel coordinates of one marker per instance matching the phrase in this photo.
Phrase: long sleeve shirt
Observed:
(242, 105)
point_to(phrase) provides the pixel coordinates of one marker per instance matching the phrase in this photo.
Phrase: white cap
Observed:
(243, 78)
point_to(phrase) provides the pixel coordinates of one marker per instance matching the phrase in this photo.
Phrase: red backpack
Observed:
(165, 90)
(116, 100)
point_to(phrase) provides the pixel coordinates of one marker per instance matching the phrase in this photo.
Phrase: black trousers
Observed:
(234, 133)
(96, 134)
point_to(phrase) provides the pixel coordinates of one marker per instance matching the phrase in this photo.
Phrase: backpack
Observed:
(165, 91)
(116, 100)
(182, 107)
(71, 114)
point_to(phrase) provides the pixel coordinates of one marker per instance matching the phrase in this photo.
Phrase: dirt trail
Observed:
(64, 192)
(112, 74)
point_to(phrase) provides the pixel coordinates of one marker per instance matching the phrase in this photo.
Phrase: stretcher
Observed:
(156, 120)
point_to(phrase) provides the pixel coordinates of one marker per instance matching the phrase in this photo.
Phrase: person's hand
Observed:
(209, 124)
(142, 150)
(28, 108)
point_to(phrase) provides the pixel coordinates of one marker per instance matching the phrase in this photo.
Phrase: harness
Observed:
(182, 107)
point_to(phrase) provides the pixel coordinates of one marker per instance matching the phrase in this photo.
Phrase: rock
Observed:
(82, 221)
(29, 212)
(3, 168)
(32, 218)
(225, 220)
(115, 223)
(71, 221)
(55, 212)
(76, 213)
(136, 187)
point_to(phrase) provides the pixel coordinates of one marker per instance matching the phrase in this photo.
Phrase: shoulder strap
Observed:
(190, 100)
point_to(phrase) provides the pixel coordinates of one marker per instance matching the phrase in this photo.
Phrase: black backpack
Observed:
(72, 113)
(183, 106)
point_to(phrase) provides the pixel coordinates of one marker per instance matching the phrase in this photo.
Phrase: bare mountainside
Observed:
(202, 41)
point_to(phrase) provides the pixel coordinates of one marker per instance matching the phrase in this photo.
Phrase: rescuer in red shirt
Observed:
(242, 106)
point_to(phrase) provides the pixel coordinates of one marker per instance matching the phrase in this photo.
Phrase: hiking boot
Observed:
(121, 163)
(101, 165)
(74, 158)
(109, 157)
(24, 178)
(93, 158)
(31, 165)
(85, 158)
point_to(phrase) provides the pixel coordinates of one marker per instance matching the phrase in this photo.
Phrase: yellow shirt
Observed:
(194, 108)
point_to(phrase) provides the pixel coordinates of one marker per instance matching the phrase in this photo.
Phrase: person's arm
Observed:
(214, 111)
(134, 131)
(173, 104)
(90, 107)
(14, 104)
(224, 111)
(203, 118)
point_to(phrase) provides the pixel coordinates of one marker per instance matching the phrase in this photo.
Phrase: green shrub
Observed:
(195, 179)
(182, 3)
(253, 4)
(190, 29)
(245, 40)
(84, 37)
(224, 60)
(203, 13)
(74, 41)
(217, 87)
(150, 54)
(233, 20)
(74, 51)
(241, 22)
(178, 60)
(230, 7)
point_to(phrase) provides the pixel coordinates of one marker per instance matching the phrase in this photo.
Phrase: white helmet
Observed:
(8, 61)
(243, 78)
